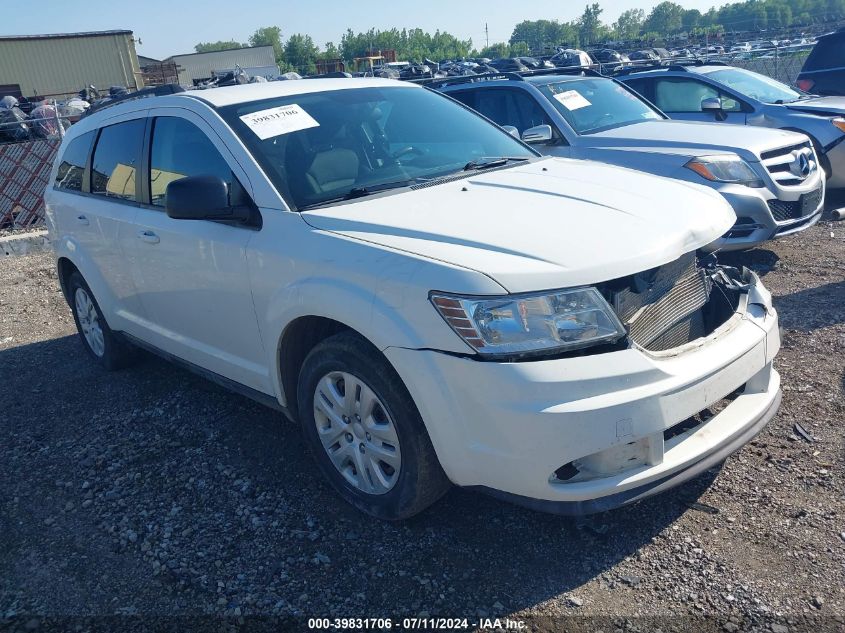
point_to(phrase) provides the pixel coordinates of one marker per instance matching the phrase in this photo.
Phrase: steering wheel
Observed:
(410, 149)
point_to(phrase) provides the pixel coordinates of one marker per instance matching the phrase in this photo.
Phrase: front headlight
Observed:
(723, 168)
(839, 122)
(558, 321)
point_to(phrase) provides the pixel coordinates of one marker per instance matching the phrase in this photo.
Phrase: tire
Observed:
(382, 459)
(105, 346)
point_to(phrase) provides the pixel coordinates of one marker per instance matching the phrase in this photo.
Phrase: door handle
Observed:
(82, 220)
(149, 237)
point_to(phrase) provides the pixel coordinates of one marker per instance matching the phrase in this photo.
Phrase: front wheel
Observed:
(365, 431)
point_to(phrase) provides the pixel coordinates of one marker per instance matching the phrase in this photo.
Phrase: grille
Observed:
(805, 205)
(661, 308)
(783, 164)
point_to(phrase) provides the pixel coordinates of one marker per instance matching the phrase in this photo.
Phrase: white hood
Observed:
(552, 223)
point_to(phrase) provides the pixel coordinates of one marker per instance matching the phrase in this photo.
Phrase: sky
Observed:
(170, 27)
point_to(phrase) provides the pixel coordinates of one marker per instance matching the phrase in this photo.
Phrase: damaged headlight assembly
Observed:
(557, 321)
(725, 168)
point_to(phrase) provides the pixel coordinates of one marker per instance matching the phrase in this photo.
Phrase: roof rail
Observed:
(442, 82)
(563, 70)
(513, 76)
(152, 91)
(676, 65)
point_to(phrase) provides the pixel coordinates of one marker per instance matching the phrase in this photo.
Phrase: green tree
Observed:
(629, 24)
(666, 18)
(210, 47)
(590, 28)
(543, 36)
(269, 36)
(301, 54)
(331, 52)
(690, 20)
(494, 51)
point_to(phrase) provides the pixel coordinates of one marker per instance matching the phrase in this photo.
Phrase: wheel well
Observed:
(66, 269)
(299, 338)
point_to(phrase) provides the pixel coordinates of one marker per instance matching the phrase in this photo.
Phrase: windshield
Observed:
(592, 105)
(323, 146)
(756, 86)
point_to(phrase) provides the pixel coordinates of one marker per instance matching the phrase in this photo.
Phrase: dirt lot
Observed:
(152, 492)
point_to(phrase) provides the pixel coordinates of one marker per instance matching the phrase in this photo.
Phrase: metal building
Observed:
(198, 67)
(62, 64)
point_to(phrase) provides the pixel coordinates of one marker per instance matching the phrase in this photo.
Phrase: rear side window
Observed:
(829, 52)
(181, 149)
(115, 163)
(72, 167)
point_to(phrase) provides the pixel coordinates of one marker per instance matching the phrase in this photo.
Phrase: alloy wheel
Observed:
(89, 322)
(357, 432)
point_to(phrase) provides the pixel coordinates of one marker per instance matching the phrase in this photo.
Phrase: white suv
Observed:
(431, 299)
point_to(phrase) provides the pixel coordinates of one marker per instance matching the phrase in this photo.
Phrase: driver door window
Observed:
(510, 107)
(682, 95)
(180, 149)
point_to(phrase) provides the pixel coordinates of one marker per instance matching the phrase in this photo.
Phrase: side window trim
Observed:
(144, 197)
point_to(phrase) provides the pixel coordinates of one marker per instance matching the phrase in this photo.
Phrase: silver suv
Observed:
(771, 178)
(714, 92)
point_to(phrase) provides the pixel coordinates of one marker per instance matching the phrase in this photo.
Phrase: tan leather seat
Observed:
(332, 170)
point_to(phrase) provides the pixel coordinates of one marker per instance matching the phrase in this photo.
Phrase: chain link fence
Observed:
(24, 174)
(778, 65)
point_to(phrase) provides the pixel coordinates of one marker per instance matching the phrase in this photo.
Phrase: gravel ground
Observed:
(151, 492)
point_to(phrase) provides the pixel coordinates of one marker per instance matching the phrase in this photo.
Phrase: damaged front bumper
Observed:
(593, 432)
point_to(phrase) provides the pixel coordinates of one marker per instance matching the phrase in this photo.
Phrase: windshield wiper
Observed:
(357, 192)
(487, 163)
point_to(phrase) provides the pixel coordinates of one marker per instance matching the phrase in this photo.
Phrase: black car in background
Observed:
(611, 59)
(824, 69)
(644, 56)
(508, 64)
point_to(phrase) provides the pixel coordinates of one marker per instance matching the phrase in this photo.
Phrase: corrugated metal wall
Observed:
(201, 65)
(65, 65)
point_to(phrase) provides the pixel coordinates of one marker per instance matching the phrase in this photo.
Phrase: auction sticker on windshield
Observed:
(277, 121)
(572, 100)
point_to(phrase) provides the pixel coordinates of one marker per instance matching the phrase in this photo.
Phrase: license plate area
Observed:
(809, 201)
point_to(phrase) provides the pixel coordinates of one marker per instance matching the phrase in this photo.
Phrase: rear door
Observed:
(192, 275)
(95, 201)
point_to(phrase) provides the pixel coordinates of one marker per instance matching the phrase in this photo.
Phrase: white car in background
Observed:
(432, 300)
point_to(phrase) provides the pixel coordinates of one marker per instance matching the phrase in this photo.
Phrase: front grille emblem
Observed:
(801, 165)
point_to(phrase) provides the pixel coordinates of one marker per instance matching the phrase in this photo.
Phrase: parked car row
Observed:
(775, 180)
(432, 299)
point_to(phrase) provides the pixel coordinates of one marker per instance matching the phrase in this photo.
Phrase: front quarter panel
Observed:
(298, 271)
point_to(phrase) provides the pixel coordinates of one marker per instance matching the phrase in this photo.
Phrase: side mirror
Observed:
(538, 134)
(710, 104)
(511, 130)
(202, 198)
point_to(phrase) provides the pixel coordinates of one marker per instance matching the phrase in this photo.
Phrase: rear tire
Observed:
(105, 346)
(365, 432)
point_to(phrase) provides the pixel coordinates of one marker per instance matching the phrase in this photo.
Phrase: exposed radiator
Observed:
(660, 309)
